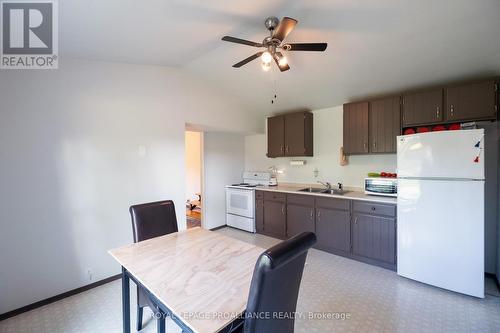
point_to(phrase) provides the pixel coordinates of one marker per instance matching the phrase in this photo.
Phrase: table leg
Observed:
(160, 324)
(126, 300)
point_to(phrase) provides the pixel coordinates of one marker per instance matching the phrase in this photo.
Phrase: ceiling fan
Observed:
(275, 44)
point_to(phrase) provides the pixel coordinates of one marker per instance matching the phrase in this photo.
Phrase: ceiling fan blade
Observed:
(247, 60)
(305, 46)
(240, 41)
(284, 28)
(277, 57)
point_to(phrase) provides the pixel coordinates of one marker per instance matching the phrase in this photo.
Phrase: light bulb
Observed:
(266, 66)
(283, 61)
(266, 57)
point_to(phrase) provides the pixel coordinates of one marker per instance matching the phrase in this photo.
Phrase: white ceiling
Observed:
(374, 46)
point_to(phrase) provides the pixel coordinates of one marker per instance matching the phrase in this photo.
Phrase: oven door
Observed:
(240, 202)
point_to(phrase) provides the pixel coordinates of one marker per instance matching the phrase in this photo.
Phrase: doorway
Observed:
(194, 198)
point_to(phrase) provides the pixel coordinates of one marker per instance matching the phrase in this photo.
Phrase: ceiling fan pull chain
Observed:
(275, 86)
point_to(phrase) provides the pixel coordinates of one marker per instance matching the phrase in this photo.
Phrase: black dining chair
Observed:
(274, 290)
(151, 220)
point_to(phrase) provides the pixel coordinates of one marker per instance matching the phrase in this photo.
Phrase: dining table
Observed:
(198, 278)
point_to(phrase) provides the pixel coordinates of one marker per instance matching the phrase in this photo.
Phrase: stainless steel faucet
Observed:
(326, 184)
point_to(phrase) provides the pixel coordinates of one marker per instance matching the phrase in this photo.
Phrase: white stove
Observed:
(240, 199)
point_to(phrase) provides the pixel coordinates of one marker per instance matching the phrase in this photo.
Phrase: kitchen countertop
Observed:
(352, 194)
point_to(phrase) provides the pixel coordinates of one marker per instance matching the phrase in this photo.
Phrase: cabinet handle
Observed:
(364, 145)
(282, 149)
(319, 214)
(437, 111)
(287, 149)
(283, 209)
(312, 214)
(355, 220)
(452, 110)
(374, 145)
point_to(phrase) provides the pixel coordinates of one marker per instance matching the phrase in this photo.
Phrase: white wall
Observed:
(327, 142)
(78, 146)
(224, 162)
(193, 164)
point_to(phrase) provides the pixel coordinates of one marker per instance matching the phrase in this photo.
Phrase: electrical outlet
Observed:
(316, 172)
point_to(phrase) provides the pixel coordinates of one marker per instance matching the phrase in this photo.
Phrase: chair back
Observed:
(153, 219)
(272, 301)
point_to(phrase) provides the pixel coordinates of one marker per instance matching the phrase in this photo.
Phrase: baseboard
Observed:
(495, 278)
(59, 297)
(217, 228)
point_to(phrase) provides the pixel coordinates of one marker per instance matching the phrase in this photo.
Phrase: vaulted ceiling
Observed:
(374, 46)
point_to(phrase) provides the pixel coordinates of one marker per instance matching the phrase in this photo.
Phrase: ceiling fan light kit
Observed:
(274, 44)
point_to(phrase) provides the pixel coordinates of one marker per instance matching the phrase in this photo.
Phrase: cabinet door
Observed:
(298, 134)
(276, 136)
(422, 108)
(333, 230)
(259, 216)
(385, 124)
(474, 101)
(275, 219)
(294, 134)
(374, 237)
(299, 219)
(356, 128)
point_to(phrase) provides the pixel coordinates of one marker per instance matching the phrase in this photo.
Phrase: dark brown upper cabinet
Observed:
(423, 107)
(276, 136)
(472, 101)
(356, 128)
(385, 124)
(290, 135)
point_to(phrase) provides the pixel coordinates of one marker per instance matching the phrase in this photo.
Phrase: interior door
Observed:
(385, 124)
(423, 107)
(276, 136)
(471, 101)
(356, 128)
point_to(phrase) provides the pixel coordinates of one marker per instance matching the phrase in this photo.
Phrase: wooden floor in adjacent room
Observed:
(193, 217)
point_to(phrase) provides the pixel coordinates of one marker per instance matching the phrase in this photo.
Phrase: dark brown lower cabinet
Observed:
(374, 237)
(333, 230)
(361, 230)
(259, 216)
(300, 215)
(275, 219)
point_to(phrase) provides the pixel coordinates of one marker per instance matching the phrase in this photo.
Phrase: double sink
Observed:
(323, 191)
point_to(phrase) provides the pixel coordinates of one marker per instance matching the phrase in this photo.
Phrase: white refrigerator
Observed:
(441, 209)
